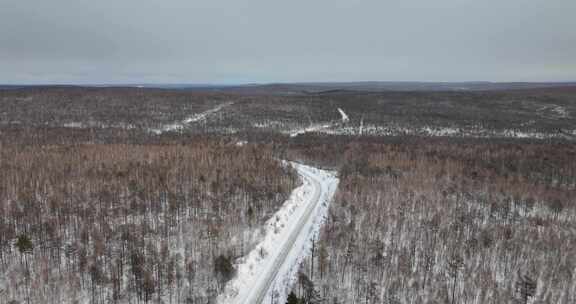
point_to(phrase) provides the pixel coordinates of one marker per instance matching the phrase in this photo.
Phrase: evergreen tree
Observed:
(292, 299)
(24, 246)
(224, 270)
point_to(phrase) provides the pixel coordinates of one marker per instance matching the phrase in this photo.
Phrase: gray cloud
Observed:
(298, 40)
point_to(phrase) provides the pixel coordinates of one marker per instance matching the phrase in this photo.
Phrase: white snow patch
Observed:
(433, 131)
(268, 124)
(96, 124)
(320, 127)
(76, 125)
(553, 111)
(345, 117)
(203, 115)
(440, 131)
(312, 128)
(560, 111)
(191, 119)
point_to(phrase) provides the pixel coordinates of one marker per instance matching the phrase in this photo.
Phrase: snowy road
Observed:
(191, 119)
(321, 126)
(286, 243)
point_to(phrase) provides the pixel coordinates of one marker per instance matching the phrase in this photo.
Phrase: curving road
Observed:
(266, 280)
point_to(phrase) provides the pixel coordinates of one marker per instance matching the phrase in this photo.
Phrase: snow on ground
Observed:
(345, 117)
(269, 124)
(440, 131)
(322, 127)
(553, 111)
(312, 128)
(191, 119)
(95, 124)
(76, 125)
(203, 115)
(560, 111)
(436, 131)
(270, 269)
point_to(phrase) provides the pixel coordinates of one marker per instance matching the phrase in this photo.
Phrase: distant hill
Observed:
(306, 88)
(368, 86)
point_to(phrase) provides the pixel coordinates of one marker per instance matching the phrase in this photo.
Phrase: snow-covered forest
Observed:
(134, 195)
(536, 114)
(447, 222)
(131, 223)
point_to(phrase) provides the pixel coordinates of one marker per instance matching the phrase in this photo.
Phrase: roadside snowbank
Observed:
(270, 269)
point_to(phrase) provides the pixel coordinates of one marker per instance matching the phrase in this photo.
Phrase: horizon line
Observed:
(230, 84)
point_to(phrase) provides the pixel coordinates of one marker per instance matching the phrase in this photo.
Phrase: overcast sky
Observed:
(232, 41)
